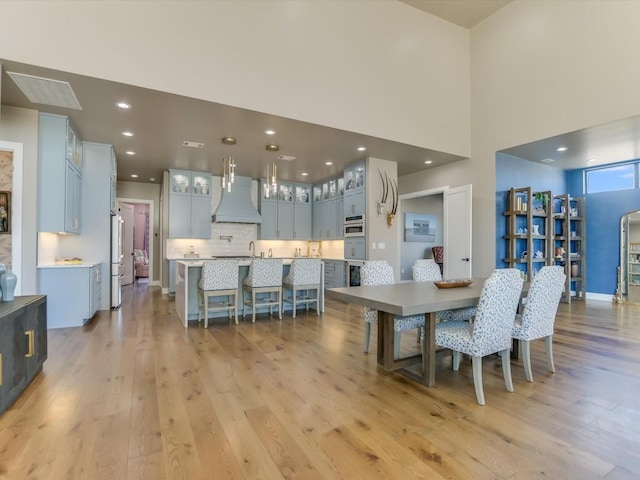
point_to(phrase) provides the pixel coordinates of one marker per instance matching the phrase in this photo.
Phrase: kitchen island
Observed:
(188, 274)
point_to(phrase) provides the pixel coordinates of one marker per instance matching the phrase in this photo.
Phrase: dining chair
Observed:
(427, 270)
(264, 277)
(380, 272)
(219, 279)
(304, 276)
(538, 317)
(491, 330)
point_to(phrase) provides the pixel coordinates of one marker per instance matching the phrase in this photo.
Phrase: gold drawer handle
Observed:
(31, 335)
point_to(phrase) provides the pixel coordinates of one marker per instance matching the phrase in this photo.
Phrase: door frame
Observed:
(16, 209)
(425, 193)
(151, 235)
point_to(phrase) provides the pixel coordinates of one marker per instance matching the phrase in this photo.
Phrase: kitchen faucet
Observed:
(252, 247)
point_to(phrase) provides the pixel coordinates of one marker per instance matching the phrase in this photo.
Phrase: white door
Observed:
(126, 212)
(457, 232)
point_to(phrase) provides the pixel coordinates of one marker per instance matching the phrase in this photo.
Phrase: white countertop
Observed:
(71, 265)
(201, 259)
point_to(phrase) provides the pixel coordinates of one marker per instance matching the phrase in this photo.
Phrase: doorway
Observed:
(142, 244)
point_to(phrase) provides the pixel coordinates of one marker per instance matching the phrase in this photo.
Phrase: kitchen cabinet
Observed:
(354, 189)
(59, 175)
(189, 204)
(114, 180)
(334, 274)
(73, 292)
(355, 248)
(328, 210)
(286, 215)
(23, 345)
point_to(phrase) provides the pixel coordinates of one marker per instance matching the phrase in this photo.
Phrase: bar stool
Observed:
(304, 276)
(219, 279)
(265, 276)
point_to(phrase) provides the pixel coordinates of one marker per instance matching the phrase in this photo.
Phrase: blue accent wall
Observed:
(603, 213)
(514, 172)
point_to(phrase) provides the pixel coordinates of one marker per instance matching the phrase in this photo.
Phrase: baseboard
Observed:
(605, 297)
(155, 283)
(165, 291)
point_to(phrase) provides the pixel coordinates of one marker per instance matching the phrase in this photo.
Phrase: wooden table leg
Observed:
(380, 350)
(388, 338)
(429, 350)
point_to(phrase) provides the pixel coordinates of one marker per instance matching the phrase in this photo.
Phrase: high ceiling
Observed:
(465, 13)
(161, 122)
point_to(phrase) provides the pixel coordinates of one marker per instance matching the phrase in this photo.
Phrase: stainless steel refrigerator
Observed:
(116, 260)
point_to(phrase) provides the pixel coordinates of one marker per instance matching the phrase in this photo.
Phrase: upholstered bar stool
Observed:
(265, 276)
(219, 279)
(304, 276)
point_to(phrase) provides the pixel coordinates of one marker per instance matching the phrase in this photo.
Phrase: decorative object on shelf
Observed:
(454, 283)
(535, 229)
(524, 255)
(228, 166)
(382, 203)
(543, 199)
(574, 270)
(5, 212)
(538, 254)
(560, 252)
(8, 282)
(271, 182)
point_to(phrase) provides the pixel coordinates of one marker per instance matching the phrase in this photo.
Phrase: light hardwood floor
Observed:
(136, 395)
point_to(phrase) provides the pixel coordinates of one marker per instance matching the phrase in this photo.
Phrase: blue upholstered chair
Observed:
(219, 279)
(539, 315)
(379, 272)
(264, 277)
(491, 330)
(304, 276)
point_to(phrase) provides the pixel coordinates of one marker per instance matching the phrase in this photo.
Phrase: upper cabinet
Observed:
(328, 209)
(189, 204)
(286, 215)
(59, 175)
(354, 189)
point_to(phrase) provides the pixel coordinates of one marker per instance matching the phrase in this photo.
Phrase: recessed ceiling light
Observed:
(130, 152)
(133, 175)
(328, 163)
(362, 149)
(127, 134)
(428, 162)
(123, 105)
(152, 179)
(562, 149)
(304, 174)
(592, 160)
(270, 132)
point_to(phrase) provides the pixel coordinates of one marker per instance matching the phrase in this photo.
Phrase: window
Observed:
(608, 179)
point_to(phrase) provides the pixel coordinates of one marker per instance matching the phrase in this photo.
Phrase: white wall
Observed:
(380, 68)
(20, 125)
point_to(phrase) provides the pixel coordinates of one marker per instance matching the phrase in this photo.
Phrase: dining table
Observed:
(409, 298)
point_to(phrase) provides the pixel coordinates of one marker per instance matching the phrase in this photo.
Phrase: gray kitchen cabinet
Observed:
(172, 277)
(354, 189)
(73, 293)
(334, 273)
(285, 215)
(59, 175)
(328, 210)
(355, 247)
(329, 219)
(23, 345)
(316, 221)
(189, 204)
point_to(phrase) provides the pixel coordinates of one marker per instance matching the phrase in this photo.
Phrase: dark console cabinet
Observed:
(23, 345)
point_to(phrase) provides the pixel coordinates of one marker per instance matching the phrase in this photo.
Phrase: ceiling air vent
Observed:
(547, 160)
(287, 158)
(187, 143)
(46, 91)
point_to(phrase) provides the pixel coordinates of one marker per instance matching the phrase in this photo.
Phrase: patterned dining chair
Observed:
(219, 279)
(490, 332)
(379, 272)
(304, 276)
(426, 270)
(538, 317)
(264, 277)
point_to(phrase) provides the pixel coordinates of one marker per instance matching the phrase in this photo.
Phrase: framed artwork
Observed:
(419, 227)
(5, 213)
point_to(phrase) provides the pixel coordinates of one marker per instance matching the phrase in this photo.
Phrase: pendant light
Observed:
(228, 166)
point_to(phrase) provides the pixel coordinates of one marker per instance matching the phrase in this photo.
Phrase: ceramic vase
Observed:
(8, 282)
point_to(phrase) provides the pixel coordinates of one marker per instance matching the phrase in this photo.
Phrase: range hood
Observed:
(236, 206)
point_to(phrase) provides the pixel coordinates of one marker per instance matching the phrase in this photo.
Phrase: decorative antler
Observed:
(393, 186)
(385, 193)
